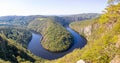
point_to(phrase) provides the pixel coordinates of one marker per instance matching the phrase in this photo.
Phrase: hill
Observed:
(13, 52)
(55, 37)
(20, 35)
(103, 39)
(25, 20)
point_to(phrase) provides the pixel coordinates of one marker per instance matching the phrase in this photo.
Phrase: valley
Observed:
(75, 38)
(45, 36)
(36, 48)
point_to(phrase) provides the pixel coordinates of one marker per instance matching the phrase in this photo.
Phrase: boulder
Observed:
(80, 61)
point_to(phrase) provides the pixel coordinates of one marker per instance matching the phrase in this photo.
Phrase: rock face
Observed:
(80, 61)
(86, 31)
(116, 59)
(118, 44)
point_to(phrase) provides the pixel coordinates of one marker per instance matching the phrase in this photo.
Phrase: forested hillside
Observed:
(13, 52)
(25, 20)
(55, 37)
(79, 17)
(67, 19)
(103, 35)
(22, 36)
(15, 20)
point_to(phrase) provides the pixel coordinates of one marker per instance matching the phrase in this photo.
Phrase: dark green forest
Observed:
(22, 36)
(13, 52)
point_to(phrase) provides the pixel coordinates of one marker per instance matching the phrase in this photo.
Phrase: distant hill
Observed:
(80, 17)
(17, 20)
(25, 20)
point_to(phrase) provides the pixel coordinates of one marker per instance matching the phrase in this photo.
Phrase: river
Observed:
(36, 48)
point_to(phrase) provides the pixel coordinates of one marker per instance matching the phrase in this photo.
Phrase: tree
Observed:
(111, 2)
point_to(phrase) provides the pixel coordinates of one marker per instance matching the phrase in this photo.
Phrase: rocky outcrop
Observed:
(116, 59)
(86, 31)
(80, 61)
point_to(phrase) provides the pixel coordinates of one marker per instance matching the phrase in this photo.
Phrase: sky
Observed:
(51, 7)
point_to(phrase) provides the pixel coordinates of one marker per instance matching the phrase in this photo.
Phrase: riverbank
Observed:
(36, 48)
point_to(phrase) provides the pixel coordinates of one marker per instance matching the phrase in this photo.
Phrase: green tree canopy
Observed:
(113, 1)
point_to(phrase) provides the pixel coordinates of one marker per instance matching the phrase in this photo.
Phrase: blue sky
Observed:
(50, 7)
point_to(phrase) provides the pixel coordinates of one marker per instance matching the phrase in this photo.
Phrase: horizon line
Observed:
(52, 14)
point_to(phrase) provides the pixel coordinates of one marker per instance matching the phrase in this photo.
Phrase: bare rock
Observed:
(80, 61)
(116, 59)
(87, 30)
